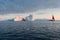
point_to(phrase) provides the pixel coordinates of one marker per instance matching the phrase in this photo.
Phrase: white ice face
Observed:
(29, 18)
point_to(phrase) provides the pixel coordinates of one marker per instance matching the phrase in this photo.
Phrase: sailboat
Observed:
(53, 18)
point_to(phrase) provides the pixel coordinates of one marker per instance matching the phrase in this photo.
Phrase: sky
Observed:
(39, 8)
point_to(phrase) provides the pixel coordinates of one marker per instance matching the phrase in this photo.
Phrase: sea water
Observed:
(30, 30)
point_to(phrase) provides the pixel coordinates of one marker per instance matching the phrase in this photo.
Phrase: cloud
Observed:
(26, 6)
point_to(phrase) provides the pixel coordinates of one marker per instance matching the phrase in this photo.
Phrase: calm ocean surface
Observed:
(37, 30)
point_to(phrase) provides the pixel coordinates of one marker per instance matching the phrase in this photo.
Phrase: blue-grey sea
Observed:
(30, 30)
